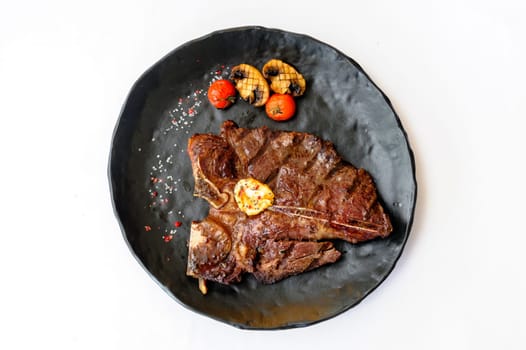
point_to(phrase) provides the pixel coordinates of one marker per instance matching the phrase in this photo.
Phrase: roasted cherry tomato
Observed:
(280, 107)
(222, 93)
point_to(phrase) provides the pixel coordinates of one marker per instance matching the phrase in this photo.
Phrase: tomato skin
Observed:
(280, 107)
(222, 93)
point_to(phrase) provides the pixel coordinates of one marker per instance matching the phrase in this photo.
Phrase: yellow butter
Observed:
(252, 196)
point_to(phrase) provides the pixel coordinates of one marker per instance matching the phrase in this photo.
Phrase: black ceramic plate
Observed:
(151, 179)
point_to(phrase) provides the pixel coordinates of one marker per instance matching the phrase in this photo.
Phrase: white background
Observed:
(455, 72)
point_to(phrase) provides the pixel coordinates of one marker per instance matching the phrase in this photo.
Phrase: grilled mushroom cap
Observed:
(284, 79)
(250, 84)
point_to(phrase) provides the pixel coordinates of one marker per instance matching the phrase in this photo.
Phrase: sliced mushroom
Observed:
(250, 84)
(284, 79)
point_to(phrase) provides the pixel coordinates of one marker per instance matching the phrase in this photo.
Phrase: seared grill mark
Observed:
(271, 156)
(233, 135)
(250, 145)
(265, 146)
(305, 152)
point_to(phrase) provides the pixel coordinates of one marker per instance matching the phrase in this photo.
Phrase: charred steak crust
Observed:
(318, 197)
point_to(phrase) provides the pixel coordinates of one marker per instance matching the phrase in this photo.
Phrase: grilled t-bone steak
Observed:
(317, 197)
